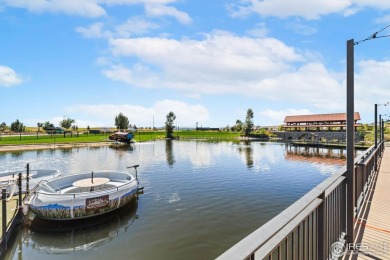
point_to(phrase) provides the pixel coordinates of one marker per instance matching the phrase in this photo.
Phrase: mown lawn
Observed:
(140, 136)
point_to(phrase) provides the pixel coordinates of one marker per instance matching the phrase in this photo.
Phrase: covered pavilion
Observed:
(319, 122)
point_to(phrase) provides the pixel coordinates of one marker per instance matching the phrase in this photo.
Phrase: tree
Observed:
(121, 122)
(67, 123)
(47, 125)
(3, 127)
(88, 128)
(248, 127)
(39, 125)
(238, 126)
(17, 126)
(169, 125)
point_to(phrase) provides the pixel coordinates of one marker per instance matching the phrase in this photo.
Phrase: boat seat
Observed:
(114, 183)
(69, 189)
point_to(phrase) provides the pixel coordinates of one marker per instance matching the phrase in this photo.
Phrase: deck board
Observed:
(377, 224)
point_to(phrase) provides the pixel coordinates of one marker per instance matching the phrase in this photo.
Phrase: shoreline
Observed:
(28, 147)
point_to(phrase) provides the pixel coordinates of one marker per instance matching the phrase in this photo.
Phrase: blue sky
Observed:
(207, 61)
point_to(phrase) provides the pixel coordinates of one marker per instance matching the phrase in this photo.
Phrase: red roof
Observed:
(338, 117)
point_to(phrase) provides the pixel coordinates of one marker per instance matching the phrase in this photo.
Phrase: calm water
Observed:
(200, 198)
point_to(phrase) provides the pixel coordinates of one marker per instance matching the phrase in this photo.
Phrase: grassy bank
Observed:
(140, 136)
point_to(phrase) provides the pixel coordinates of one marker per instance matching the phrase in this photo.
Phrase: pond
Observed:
(200, 198)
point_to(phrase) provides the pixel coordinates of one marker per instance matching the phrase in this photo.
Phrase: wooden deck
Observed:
(374, 226)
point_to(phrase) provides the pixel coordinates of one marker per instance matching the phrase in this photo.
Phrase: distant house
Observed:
(319, 122)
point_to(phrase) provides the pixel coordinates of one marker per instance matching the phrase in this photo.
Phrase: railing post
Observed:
(383, 130)
(20, 189)
(322, 237)
(380, 127)
(350, 175)
(28, 179)
(4, 215)
(376, 135)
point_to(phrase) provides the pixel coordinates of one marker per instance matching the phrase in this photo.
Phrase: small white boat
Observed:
(82, 195)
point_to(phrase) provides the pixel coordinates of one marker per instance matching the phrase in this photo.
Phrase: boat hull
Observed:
(78, 205)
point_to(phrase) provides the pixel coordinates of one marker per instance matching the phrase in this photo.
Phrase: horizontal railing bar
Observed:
(366, 160)
(334, 185)
(286, 230)
(366, 153)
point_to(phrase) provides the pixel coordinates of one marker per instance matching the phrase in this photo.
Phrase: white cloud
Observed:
(219, 55)
(273, 117)
(371, 86)
(8, 77)
(135, 26)
(223, 63)
(384, 19)
(154, 10)
(124, 2)
(286, 8)
(87, 8)
(95, 8)
(298, 27)
(186, 114)
(303, 8)
(93, 31)
(259, 31)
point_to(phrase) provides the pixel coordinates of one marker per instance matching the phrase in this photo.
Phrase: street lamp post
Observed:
(383, 130)
(350, 176)
(375, 128)
(380, 127)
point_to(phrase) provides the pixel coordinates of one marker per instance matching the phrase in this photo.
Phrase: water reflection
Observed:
(16, 154)
(66, 150)
(315, 154)
(247, 150)
(169, 152)
(122, 147)
(53, 237)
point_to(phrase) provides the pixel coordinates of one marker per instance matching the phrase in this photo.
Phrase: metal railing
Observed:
(308, 228)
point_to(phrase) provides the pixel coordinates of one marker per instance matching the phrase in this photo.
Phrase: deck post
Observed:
(380, 127)
(20, 189)
(4, 214)
(350, 175)
(383, 129)
(376, 134)
(28, 178)
(322, 229)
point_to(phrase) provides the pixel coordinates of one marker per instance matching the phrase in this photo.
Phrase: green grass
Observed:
(51, 139)
(140, 136)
